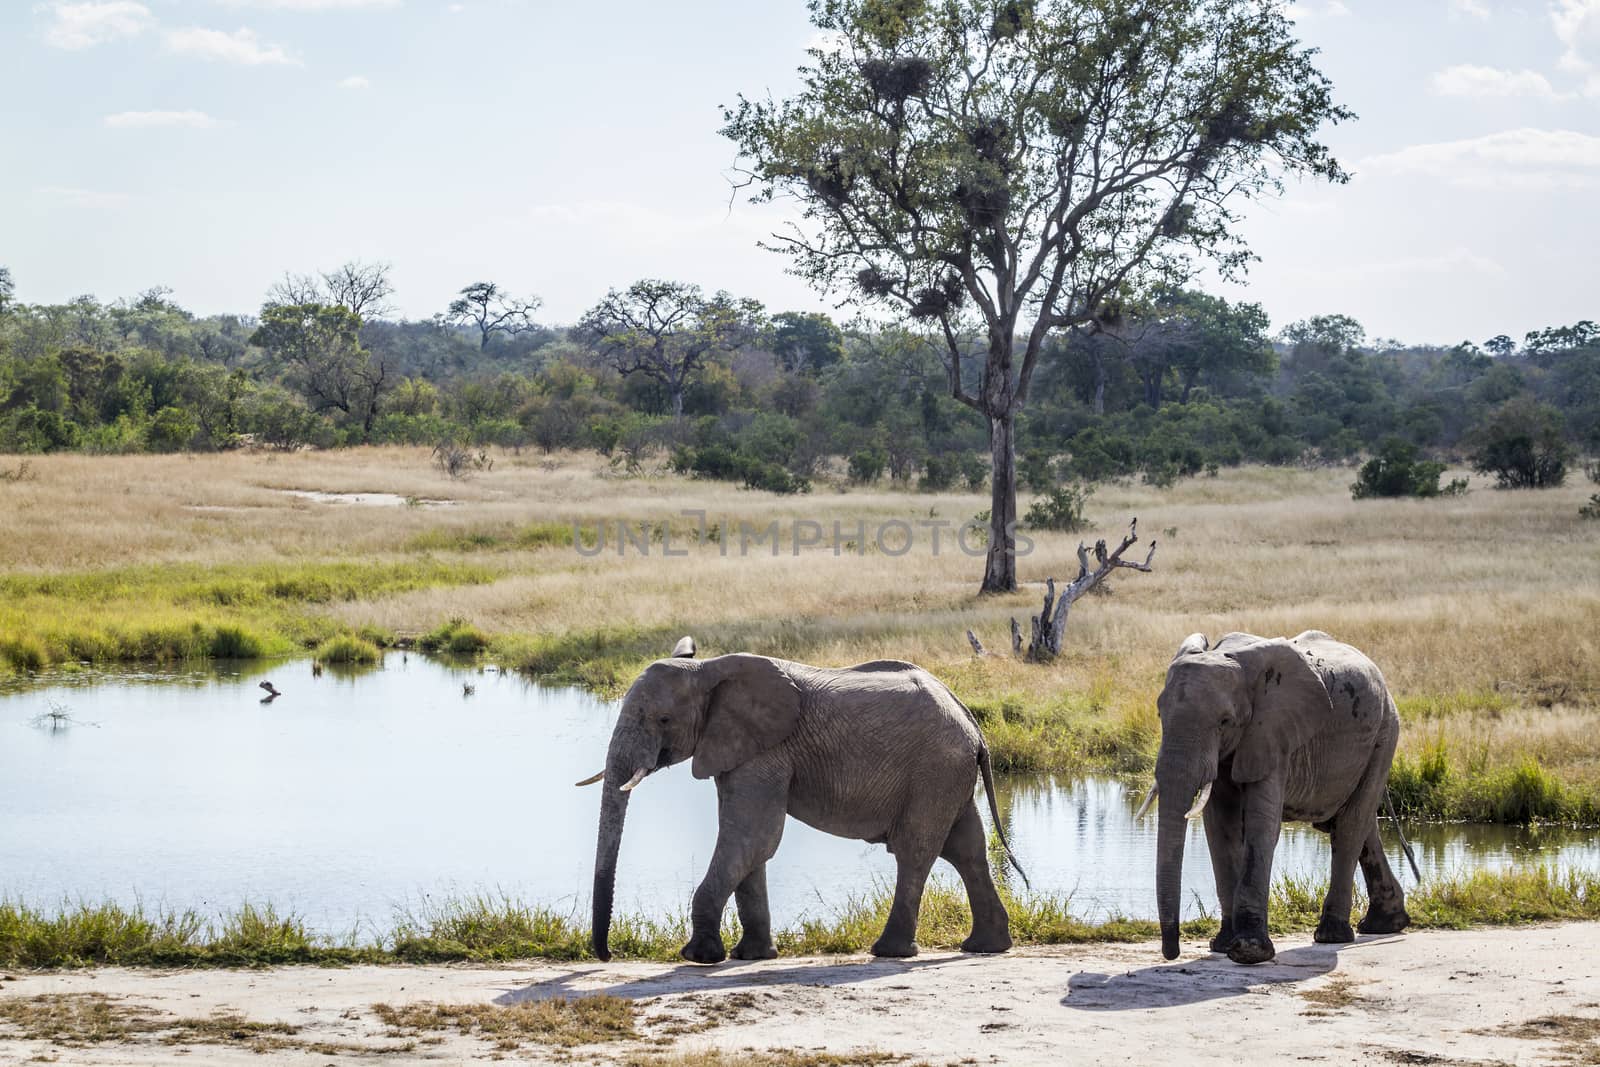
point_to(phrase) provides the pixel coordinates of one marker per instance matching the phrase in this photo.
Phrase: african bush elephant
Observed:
(881, 752)
(1265, 730)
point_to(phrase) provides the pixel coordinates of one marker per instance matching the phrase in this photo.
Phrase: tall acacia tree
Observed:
(1003, 168)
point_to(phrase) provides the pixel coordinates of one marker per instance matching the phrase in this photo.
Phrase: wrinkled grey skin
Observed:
(1301, 730)
(881, 752)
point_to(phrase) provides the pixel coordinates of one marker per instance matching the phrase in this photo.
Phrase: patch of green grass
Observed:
(348, 648)
(1436, 785)
(503, 538)
(178, 612)
(604, 660)
(485, 929)
(456, 637)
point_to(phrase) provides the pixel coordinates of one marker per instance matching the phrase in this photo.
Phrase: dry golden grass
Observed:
(1483, 610)
(557, 1021)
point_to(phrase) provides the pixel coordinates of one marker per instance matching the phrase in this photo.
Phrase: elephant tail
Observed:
(1405, 845)
(994, 810)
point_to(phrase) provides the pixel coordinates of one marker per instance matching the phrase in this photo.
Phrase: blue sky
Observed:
(562, 149)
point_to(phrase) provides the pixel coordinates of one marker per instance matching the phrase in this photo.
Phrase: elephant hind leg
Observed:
(1386, 907)
(965, 850)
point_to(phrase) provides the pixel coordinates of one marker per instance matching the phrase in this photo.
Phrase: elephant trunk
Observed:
(1170, 834)
(613, 812)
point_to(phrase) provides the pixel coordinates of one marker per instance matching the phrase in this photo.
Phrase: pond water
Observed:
(353, 795)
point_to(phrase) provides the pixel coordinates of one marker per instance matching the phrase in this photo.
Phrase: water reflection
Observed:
(357, 792)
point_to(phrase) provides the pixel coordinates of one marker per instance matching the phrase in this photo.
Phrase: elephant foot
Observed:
(704, 948)
(999, 942)
(1332, 930)
(894, 947)
(1251, 943)
(1385, 922)
(1252, 949)
(1225, 937)
(747, 949)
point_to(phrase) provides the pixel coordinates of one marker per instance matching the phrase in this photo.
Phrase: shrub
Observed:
(974, 470)
(866, 465)
(1396, 471)
(347, 648)
(938, 474)
(1522, 446)
(1060, 509)
(1591, 510)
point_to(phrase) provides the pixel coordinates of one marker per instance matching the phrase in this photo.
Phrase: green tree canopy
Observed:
(1003, 168)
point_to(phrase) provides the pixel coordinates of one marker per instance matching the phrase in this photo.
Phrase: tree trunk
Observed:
(677, 403)
(1099, 384)
(1000, 568)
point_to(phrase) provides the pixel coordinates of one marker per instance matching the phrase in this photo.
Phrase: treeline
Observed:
(722, 388)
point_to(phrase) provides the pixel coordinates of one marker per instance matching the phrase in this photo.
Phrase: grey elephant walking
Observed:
(880, 752)
(1267, 730)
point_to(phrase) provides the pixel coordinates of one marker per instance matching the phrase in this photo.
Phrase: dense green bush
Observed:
(1396, 471)
(1062, 508)
(866, 465)
(1522, 445)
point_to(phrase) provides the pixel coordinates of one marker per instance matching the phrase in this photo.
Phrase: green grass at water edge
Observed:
(347, 648)
(1439, 786)
(179, 612)
(488, 929)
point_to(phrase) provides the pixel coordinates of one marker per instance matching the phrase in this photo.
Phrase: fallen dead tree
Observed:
(1050, 624)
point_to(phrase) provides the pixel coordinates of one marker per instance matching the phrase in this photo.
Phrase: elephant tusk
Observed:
(1200, 802)
(638, 776)
(1149, 799)
(592, 779)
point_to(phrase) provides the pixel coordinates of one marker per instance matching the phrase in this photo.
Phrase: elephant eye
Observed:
(663, 720)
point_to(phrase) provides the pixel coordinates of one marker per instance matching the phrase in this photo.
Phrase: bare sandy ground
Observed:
(1529, 995)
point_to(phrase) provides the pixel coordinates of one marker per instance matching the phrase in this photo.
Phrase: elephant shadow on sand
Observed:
(1197, 981)
(726, 978)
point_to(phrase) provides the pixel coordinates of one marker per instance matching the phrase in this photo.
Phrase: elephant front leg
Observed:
(1263, 817)
(1224, 822)
(749, 826)
(754, 918)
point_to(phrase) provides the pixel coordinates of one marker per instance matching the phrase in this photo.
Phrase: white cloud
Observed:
(1577, 24)
(455, 9)
(87, 198)
(1511, 159)
(1465, 79)
(240, 46)
(313, 5)
(355, 81)
(1476, 8)
(140, 120)
(85, 25)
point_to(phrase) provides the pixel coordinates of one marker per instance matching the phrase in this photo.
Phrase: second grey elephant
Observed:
(881, 752)
(1267, 730)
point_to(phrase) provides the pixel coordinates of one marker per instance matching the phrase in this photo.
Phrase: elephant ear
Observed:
(1289, 705)
(1192, 645)
(752, 706)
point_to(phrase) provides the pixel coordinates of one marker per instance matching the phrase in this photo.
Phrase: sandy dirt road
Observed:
(1529, 995)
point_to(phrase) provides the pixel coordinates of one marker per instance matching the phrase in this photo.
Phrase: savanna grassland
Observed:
(1482, 610)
